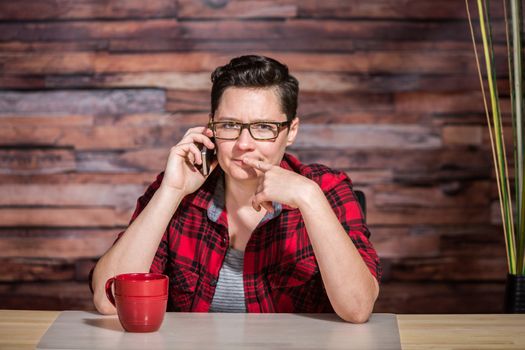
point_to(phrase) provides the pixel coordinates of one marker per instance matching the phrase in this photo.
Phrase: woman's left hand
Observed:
(278, 185)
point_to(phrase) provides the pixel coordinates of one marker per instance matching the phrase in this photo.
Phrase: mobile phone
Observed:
(208, 155)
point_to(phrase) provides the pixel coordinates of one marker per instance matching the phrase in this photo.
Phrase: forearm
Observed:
(350, 286)
(135, 250)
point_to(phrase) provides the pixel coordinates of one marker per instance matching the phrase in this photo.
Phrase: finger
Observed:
(196, 130)
(258, 202)
(268, 206)
(205, 140)
(193, 154)
(208, 132)
(198, 138)
(264, 204)
(257, 164)
(190, 158)
(256, 205)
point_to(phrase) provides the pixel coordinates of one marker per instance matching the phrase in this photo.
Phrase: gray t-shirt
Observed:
(229, 292)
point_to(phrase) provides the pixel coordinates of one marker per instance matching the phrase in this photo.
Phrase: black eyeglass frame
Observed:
(280, 127)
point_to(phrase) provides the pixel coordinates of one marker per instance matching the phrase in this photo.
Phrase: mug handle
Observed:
(109, 292)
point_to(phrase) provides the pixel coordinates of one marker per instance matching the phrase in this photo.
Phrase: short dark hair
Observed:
(256, 72)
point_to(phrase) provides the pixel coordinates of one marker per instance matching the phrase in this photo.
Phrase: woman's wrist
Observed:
(309, 196)
(173, 193)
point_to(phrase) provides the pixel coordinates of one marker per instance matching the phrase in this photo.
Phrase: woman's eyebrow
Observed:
(228, 119)
(255, 120)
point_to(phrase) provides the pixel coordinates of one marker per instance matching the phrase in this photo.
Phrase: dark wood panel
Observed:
(53, 46)
(456, 159)
(47, 120)
(236, 29)
(433, 241)
(95, 138)
(46, 296)
(428, 216)
(21, 81)
(147, 159)
(90, 102)
(274, 45)
(413, 9)
(189, 9)
(344, 136)
(441, 298)
(327, 44)
(85, 9)
(473, 193)
(188, 101)
(120, 196)
(425, 165)
(27, 270)
(57, 243)
(63, 217)
(95, 92)
(467, 102)
(143, 178)
(443, 9)
(36, 161)
(450, 268)
(304, 65)
(395, 297)
(402, 242)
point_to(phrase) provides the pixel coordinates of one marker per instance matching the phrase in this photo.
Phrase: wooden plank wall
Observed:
(93, 93)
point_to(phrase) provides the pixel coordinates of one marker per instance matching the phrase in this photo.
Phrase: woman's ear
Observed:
(292, 131)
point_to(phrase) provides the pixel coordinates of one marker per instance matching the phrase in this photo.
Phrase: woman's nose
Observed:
(245, 140)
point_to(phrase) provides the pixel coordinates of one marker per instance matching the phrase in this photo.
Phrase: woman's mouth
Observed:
(240, 163)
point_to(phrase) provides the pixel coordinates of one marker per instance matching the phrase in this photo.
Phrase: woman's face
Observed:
(247, 105)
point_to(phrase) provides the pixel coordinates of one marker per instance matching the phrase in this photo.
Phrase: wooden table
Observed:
(23, 330)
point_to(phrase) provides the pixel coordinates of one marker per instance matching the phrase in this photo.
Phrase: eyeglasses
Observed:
(262, 131)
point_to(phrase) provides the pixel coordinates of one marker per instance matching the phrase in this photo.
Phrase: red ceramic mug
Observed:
(140, 299)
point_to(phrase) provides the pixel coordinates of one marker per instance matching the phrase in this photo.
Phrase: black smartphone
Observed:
(208, 155)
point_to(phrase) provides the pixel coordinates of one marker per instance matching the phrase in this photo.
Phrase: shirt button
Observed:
(223, 242)
(213, 282)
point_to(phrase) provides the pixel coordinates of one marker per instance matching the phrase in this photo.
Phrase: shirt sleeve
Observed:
(346, 207)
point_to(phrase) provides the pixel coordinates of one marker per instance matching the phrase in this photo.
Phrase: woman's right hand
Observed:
(180, 173)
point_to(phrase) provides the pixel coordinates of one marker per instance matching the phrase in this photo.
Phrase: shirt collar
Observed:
(211, 195)
(217, 204)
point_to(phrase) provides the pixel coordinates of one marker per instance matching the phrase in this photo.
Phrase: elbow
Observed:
(103, 305)
(358, 315)
(356, 309)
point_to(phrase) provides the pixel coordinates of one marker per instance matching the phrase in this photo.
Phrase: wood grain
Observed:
(85, 9)
(92, 194)
(62, 244)
(438, 296)
(39, 161)
(95, 102)
(23, 330)
(235, 29)
(65, 217)
(405, 61)
(47, 296)
(24, 270)
(94, 93)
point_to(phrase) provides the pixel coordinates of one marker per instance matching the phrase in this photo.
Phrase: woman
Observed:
(262, 232)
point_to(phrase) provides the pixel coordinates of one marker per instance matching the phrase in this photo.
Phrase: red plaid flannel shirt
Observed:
(280, 270)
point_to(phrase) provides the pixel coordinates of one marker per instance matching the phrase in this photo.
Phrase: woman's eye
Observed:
(230, 125)
(263, 126)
